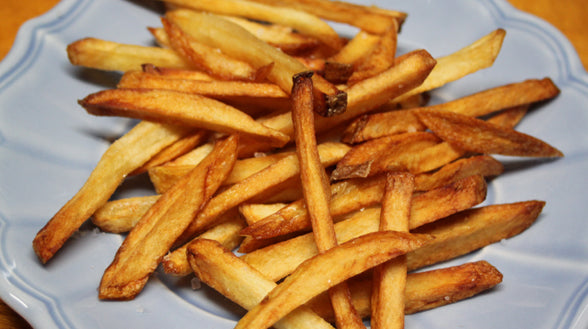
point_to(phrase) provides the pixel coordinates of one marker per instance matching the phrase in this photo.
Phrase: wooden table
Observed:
(566, 15)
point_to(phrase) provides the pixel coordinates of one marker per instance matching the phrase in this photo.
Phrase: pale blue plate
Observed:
(49, 145)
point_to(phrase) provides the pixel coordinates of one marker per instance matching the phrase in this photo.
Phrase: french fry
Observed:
(119, 216)
(378, 125)
(230, 38)
(424, 290)
(280, 36)
(379, 59)
(369, 18)
(358, 47)
(205, 57)
(327, 270)
(483, 165)
(178, 108)
(173, 151)
(253, 185)
(302, 21)
(355, 195)
(389, 284)
(222, 270)
(153, 236)
(475, 135)
(460, 233)
(479, 55)
(176, 73)
(163, 177)
(368, 94)
(113, 56)
(122, 157)
(316, 191)
(509, 117)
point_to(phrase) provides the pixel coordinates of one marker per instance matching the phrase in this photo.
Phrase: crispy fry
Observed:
(424, 290)
(176, 73)
(205, 57)
(483, 165)
(358, 47)
(163, 177)
(121, 215)
(368, 94)
(302, 21)
(230, 38)
(475, 135)
(369, 18)
(112, 56)
(255, 184)
(173, 151)
(154, 234)
(484, 225)
(327, 270)
(226, 273)
(509, 117)
(316, 191)
(389, 281)
(178, 108)
(474, 57)
(379, 59)
(122, 157)
(377, 125)
(355, 195)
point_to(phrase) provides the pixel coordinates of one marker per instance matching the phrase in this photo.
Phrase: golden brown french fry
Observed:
(280, 36)
(355, 195)
(474, 228)
(479, 55)
(122, 157)
(119, 216)
(316, 191)
(358, 47)
(395, 152)
(222, 270)
(176, 73)
(389, 279)
(372, 126)
(173, 151)
(254, 212)
(369, 18)
(153, 236)
(205, 57)
(424, 290)
(483, 165)
(112, 56)
(305, 22)
(509, 117)
(461, 233)
(476, 135)
(211, 88)
(163, 177)
(255, 184)
(380, 58)
(240, 44)
(368, 94)
(327, 270)
(179, 108)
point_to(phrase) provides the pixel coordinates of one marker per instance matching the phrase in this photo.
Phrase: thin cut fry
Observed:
(112, 56)
(231, 38)
(222, 270)
(475, 135)
(178, 108)
(390, 278)
(459, 234)
(121, 215)
(327, 270)
(316, 191)
(424, 290)
(155, 233)
(121, 158)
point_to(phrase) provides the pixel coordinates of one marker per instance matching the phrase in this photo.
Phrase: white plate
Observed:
(49, 145)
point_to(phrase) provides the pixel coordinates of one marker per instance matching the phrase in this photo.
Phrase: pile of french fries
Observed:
(302, 174)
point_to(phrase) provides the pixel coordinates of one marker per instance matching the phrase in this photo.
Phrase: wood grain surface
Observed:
(567, 15)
